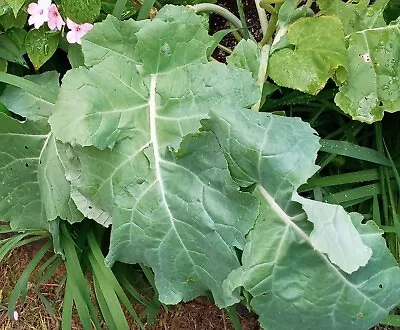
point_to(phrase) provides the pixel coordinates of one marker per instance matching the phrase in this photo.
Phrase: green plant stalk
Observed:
(232, 313)
(242, 16)
(225, 13)
(119, 8)
(262, 16)
(262, 72)
(267, 38)
(29, 86)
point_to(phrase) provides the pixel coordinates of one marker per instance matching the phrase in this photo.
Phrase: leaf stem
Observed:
(242, 16)
(262, 72)
(223, 12)
(119, 8)
(31, 87)
(262, 16)
(267, 39)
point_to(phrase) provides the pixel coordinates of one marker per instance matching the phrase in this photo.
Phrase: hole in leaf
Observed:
(26, 165)
(26, 147)
(380, 286)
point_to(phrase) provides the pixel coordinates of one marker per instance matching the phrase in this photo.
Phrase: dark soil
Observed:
(218, 23)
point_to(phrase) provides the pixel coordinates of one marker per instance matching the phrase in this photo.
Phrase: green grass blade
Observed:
(354, 194)
(105, 312)
(351, 150)
(66, 318)
(119, 8)
(110, 278)
(22, 285)
(36, 90)
(392, 320)
(112, 306)
(340, 179)
(145, 9)
(232, 313)
(79, 285)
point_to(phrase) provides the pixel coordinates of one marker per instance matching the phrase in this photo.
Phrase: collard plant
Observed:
(147, 135)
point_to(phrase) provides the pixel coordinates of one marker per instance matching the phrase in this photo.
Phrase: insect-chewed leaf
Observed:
(373, 84)
(311, 57)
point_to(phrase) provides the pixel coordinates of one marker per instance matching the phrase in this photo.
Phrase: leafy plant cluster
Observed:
(195, 168)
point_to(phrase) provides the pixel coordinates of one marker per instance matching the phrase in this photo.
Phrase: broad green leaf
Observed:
(373, 84)
(283, 273)
(292, 283)
(28, 173)
(277, 154)
(142, 112)
(312, 58)
(246, 55)
(20, 200)
(111, 37)
(75, 56)
(40, 45)
(110, 101)
(15, 5)
(8, 20)
(81, 11)
(27, 105)
(55, 189)
(180, 230)
(355, 15)
(12, 46)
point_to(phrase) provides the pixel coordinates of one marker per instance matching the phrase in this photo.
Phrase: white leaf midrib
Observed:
(156, 151)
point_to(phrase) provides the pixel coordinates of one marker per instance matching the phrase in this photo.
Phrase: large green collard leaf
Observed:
(278, 155)
(120, 87)
(178, 212)
(293, 285)
(284, 274)
(27, 105)
(33, 188)
(373, 84)
(354, 15)
(312, 57)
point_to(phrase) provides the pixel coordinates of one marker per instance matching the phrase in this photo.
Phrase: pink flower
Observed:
(77, 31)
(15, 315)
(39, 13)
(55, 20)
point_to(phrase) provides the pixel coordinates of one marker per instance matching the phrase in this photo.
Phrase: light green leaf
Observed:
(111, 37)
(15, 5)
(246, 55)
(142, 109)
(81, 11)
(3, 65)
(110, 101)
(20, 201)
(181, 231)
(27, 105)
(29, 172)
(75, 55)
(55, 189)
(357, 15)
(40, 45)
(314, 59)
(278, 154)
(288, 276)
(293, 284)
(12, 46)
(373, 84)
